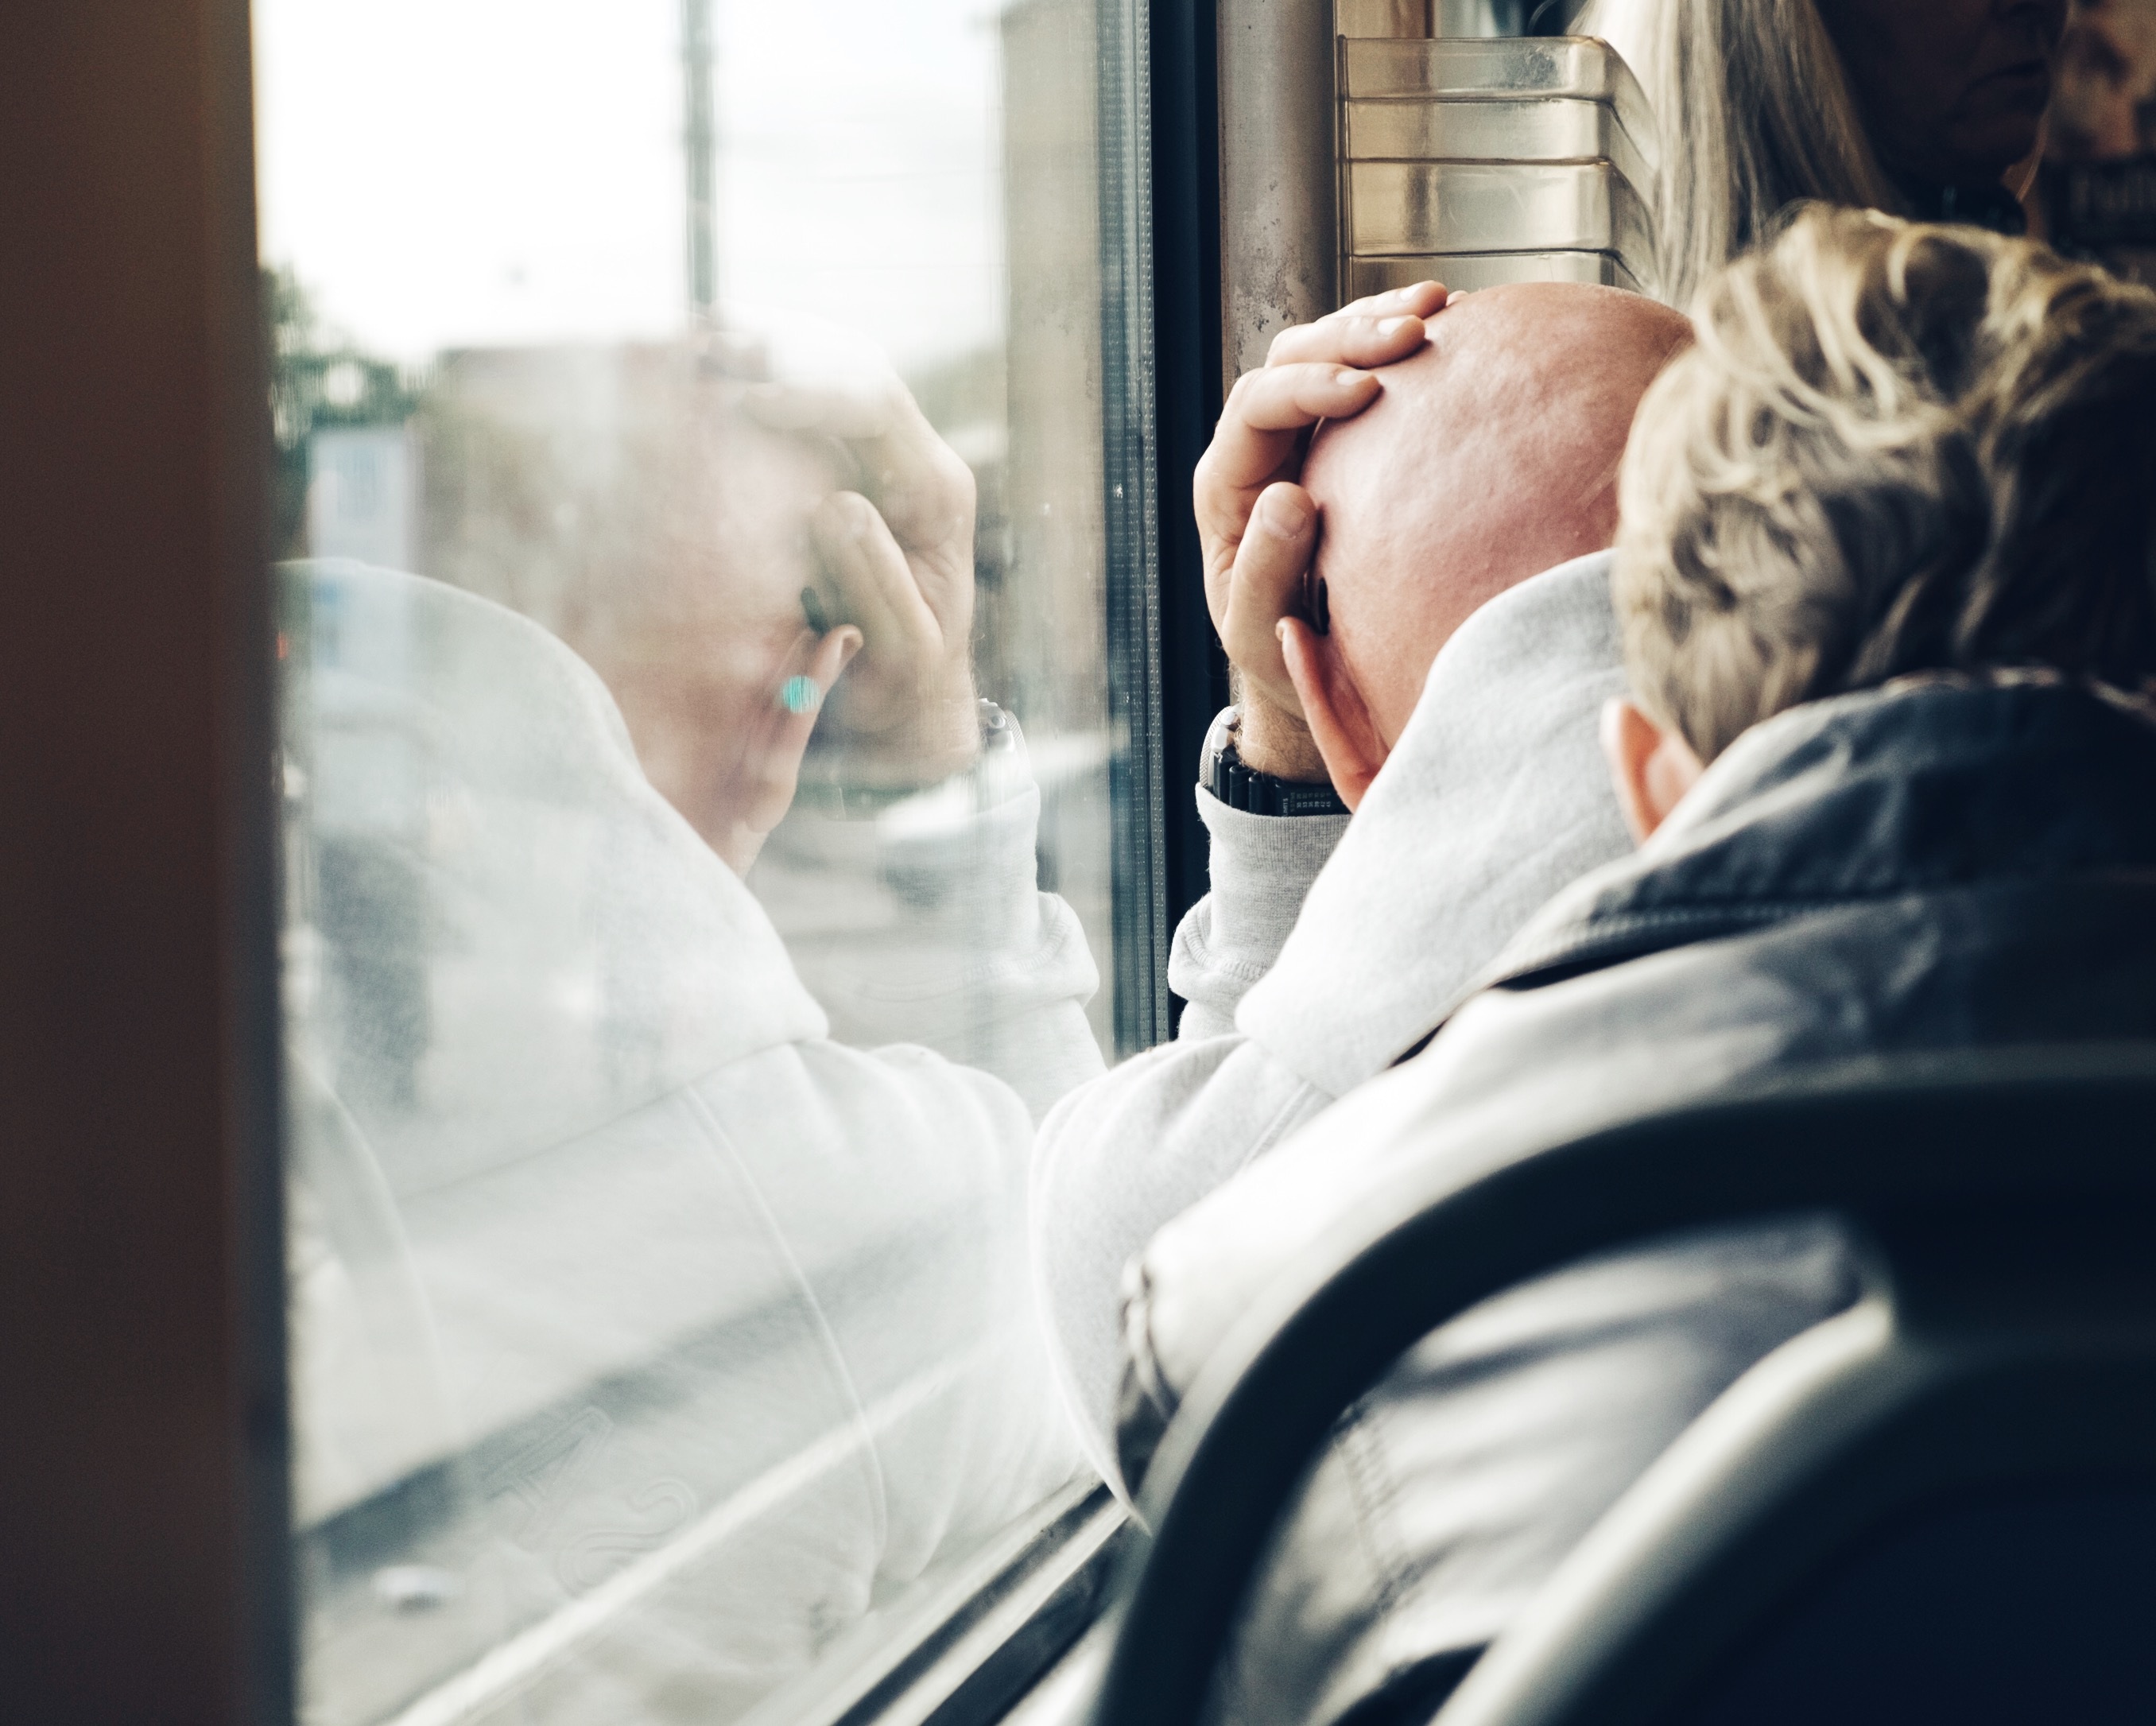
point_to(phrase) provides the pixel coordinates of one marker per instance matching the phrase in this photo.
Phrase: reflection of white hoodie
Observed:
(1496, 797)
(602, 1241)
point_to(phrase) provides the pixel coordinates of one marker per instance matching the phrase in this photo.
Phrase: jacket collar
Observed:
(1931, 783)
(1990, 205)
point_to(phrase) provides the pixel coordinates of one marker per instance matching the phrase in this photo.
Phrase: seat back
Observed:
(2033, 1606)
(2007, 1345)
(1925, 1504)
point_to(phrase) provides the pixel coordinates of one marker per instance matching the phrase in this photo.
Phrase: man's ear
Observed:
(1340, 724)
(1650, 768)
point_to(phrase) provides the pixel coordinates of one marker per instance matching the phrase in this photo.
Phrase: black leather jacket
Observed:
(1947, 862)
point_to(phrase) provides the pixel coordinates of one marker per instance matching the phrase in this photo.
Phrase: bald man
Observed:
(1456, 632)
(1490, 456)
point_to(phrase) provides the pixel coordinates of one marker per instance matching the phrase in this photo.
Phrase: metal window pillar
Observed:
(1280, 229)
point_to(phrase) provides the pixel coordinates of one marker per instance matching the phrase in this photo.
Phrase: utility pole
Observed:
(700, 140)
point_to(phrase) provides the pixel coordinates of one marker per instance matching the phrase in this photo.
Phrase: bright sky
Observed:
(480, 173)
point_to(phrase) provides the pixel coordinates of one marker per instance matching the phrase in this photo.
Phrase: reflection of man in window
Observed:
(718, 1305)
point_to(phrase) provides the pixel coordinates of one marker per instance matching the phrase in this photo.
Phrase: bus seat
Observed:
(2031, 1606)
(1938, 1504)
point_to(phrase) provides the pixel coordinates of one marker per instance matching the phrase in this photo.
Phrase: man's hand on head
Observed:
(1258, 528)
(1264, 585)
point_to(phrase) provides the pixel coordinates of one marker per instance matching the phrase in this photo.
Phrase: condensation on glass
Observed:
(709, 534)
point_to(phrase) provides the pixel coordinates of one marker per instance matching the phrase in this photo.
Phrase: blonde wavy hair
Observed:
(1895, 447)
(1755, 112)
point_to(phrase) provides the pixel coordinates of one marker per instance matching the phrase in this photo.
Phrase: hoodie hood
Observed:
(1496, 797)
(499, 935)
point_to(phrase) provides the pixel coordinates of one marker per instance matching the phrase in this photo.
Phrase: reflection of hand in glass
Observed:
(664, 518)
(897, 553)
(756, 791)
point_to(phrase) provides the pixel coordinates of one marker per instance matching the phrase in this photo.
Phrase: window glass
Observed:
(710, 559)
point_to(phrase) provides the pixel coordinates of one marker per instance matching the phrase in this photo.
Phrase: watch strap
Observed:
(1244, 787)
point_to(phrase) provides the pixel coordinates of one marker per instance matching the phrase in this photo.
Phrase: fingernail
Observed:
(1347, 377)
(853, 640)
(1394, 327)
(1283, 516)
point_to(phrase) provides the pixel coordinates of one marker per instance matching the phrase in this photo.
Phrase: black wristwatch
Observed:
(1242, 787)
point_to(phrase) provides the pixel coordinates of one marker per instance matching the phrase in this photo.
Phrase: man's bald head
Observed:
(1492, 455)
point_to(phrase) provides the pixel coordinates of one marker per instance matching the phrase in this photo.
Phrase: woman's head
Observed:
(1764, 103)
(1894, 448)
(1953, 92)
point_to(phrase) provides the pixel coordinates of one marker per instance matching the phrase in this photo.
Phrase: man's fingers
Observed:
(876, 587)
(1350, 341)
(1345, 341)
(1275, 555)
(1290, 398)
(1266, 414)
(917, 480)
(1418, 299)
(1374, 332)
(1266, 584)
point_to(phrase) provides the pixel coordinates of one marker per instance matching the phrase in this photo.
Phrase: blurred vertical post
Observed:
(1279, 199)
(700, 142)
(145, 1495)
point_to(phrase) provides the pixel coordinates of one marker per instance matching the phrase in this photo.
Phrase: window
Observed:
(668, 999)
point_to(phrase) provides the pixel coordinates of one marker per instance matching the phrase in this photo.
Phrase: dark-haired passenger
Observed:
(1886, 581)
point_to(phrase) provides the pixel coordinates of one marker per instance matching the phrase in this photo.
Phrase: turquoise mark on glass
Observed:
(801, 696)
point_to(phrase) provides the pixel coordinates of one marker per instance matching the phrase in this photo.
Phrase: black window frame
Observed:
(1160, 222)
(1187, 376)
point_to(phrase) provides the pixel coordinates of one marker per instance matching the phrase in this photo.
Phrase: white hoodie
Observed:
(1329, 948)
